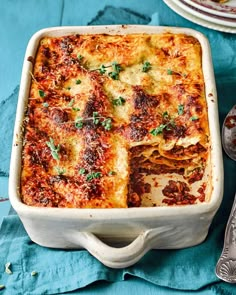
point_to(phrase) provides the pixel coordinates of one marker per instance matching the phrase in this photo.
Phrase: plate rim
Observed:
(209, 10)
(212, 7)
(203, 15)
(198, 20)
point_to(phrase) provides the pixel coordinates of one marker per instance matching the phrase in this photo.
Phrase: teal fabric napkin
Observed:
(35, 270)
(38, 270)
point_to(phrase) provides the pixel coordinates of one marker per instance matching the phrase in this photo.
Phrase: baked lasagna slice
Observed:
(112, 118)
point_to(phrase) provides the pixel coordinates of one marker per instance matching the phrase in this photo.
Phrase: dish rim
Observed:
(118, 213)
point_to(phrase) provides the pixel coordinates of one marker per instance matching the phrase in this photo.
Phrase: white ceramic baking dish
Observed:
(140, 229)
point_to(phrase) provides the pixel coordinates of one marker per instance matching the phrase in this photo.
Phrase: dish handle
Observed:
(119, 257)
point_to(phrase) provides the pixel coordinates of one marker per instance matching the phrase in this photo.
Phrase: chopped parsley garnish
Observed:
(81, 171)
(68, 88)
(93, 175)
(165, 115)
(80, 57)
(114, 75)
(180, 109)
(158, 130)
(118, 102)
(70, 104)
(168, 122)
(54, 149)
(78, 81)
(194, 118)
(116, 67)
(107, 124)
(45, 104)
(146, 66)
(110, 173)
(95, 118)
(169, 72)
(172, 123)
(79, 123)
(116, 70)
(60, 170)
(102, 69)
(41, 93)
(75, 109)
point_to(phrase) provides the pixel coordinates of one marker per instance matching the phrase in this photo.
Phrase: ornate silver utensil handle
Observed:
(226, 266)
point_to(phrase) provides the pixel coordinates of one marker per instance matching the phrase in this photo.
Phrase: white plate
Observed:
(227, 9)
(199, 21)
(220, 20)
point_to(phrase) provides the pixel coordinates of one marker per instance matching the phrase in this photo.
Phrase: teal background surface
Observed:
(185, 271)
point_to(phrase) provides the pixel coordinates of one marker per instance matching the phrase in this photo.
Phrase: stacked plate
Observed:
(208, 13)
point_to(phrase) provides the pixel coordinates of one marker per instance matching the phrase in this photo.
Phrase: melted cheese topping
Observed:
(100, 103)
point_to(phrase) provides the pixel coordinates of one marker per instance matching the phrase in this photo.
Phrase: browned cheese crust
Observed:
(102, 108)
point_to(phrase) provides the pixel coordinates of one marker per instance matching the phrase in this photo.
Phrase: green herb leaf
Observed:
(102, 69)
(80, 57)
(78, 81)
(165, 115)
(54, 149)
(146, 66)
(158, 130)
(180, 109)
(110, 173)
(169, 72)
(41, 93)
(76, 109)
(45, 104)
(116, 67)
(93, 175)
(81, 171)
(95, 118)
(107, 124)
(79, 122)
(60, 170)
(194, 118)
(70, 104)
(114, 75)
(116, 70)
(119, 101)
(68, 88)
(172, 123)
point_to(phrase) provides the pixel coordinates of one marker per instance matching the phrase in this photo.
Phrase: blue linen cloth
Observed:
(38, 270)
(184, 271)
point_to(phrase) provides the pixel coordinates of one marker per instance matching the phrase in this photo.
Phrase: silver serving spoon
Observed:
(229, 134)
(226, 266)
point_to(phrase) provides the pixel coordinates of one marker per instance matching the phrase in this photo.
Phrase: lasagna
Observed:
(116, 121)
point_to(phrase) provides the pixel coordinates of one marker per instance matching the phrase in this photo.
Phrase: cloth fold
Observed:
(37, 270)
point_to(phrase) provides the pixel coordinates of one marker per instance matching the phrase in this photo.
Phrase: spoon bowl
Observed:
(229, 134)
(226, 265)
